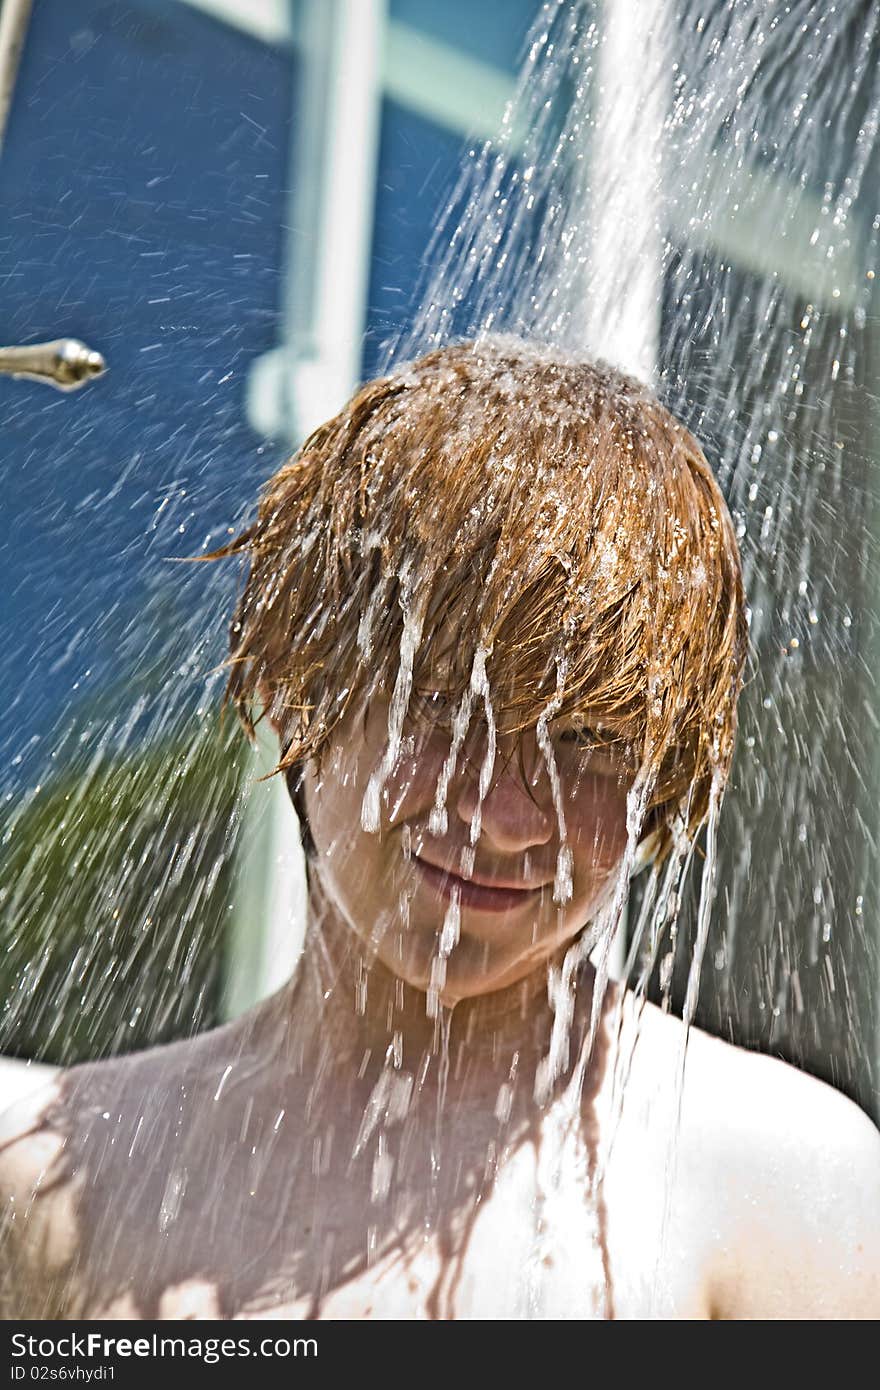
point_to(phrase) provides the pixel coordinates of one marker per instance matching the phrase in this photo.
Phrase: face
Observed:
(469, 906)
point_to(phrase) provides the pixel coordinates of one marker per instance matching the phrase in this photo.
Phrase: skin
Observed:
(511, 926)
(351, 1149)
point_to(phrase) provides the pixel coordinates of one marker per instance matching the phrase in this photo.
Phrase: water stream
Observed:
(705, 215)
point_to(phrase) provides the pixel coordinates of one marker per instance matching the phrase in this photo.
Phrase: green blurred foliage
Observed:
(115, 891)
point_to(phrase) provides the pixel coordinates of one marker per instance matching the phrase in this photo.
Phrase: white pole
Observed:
(625, 272)
(14, 18)
(627, 183)
(308, 379)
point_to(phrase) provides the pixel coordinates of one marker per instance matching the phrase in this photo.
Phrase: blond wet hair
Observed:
(497, 502)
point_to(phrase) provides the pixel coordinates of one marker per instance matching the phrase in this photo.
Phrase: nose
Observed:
(513, 818)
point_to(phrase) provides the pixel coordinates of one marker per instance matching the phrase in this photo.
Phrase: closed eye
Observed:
(605, 749)
(432, 699)
(431, 708)
(583, 737)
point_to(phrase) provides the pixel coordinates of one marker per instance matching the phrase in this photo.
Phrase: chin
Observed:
(469, 974)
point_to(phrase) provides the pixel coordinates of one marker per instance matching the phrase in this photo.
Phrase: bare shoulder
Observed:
(35, 1227)
(70, 1151)
(747, 1099)
(791, 1169)
(769, 1097)
(771, 1176)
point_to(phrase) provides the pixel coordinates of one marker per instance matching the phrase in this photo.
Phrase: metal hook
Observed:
(65, 363)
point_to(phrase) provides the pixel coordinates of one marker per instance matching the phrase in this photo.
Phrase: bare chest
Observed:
(532, 1244)
(363, 1215)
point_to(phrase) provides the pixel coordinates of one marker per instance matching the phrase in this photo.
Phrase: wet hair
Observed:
(497, 504)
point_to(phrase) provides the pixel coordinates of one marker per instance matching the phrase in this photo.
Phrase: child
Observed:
(494, 613)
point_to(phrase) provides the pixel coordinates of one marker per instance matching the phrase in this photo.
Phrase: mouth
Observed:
(486, 895)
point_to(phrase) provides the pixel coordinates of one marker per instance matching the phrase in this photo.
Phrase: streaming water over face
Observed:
(753, 129)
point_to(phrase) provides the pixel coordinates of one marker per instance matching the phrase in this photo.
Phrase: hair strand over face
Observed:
(549, 512)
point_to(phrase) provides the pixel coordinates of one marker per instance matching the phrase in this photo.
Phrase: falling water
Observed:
(706, 216)
(754, 131)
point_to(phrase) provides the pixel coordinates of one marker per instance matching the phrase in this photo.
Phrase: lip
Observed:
(485, 895)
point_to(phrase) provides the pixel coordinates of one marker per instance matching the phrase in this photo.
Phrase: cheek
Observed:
(595, 814)
(335, 794)
(413, 781)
